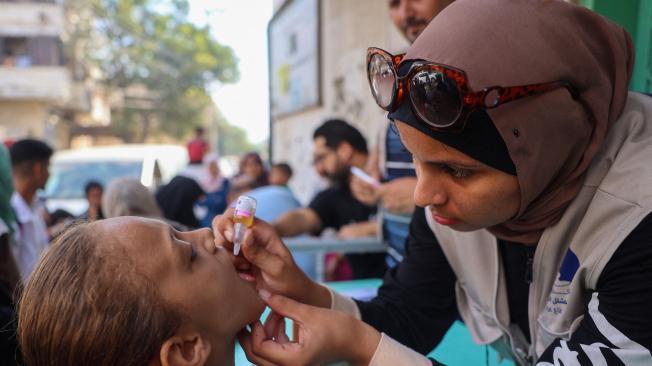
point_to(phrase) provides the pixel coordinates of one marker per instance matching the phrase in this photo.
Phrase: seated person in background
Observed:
(337, 147)
(275, 201)
(251, 175)
(134, 291)
(216, 189)
(177, 200)
(280, 174)
(94, 191)
(251, 164)
(394, 196)
(128, 197)
(240, 184)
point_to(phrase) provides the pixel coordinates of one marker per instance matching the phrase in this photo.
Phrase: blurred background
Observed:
(256, 75)
(173, 108)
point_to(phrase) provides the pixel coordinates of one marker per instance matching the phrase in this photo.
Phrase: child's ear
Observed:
(188, 349)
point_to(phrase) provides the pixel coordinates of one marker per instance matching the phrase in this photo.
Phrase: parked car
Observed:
(70, 170)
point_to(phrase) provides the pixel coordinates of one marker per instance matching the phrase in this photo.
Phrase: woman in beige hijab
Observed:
(534, 226)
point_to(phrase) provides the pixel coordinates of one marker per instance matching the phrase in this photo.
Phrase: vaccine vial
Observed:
(243, 217)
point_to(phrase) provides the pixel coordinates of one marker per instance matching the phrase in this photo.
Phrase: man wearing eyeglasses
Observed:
(338, 146)
(395, 195)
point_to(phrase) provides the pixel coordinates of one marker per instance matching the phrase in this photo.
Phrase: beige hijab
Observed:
(551, 138)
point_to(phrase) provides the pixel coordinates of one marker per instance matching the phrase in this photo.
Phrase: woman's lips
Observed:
(442, 220)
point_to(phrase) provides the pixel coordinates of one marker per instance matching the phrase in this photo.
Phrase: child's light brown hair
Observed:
(87, 305)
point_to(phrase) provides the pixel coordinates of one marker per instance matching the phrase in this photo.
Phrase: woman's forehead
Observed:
(422, 146)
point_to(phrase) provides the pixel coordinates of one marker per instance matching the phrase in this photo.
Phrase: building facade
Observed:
(33, 75)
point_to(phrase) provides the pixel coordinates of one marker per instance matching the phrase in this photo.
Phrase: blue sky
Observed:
(242, 25)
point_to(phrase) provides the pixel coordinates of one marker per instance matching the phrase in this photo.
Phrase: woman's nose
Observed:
(429, 191)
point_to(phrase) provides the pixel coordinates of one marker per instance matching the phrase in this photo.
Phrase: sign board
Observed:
(294, 57)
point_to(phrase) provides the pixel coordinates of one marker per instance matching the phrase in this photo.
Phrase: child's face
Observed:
(190, 272)
(277, 177)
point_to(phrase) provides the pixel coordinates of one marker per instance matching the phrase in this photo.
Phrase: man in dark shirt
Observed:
(337, 147)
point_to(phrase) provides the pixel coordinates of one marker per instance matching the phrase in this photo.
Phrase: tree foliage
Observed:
(162, 64)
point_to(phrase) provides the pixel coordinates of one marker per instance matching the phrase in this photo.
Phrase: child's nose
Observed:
(206, 238)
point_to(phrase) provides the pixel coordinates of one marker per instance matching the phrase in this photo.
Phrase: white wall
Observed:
(348, 27)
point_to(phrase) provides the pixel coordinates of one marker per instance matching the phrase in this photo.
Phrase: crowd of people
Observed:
(510, 184)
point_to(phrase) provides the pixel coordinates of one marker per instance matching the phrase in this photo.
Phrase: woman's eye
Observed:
(456, 172)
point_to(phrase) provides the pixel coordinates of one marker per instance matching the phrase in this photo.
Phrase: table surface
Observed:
(456, 348)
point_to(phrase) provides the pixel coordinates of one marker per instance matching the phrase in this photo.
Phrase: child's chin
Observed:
(260, 307)
(254, 311)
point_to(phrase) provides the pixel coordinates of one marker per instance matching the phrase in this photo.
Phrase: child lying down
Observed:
(133, 291)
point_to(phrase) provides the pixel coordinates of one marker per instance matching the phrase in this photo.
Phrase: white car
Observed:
(71, 170)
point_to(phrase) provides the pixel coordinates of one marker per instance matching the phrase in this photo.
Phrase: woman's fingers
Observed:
(275, 327)
(272, 324)
(223, 229)
(256, 252)
(273, 351)
(245, 338)
(285, 306)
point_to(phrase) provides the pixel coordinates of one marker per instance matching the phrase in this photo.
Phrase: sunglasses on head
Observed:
(440, 94)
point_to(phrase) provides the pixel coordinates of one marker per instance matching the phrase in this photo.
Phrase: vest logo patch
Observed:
(557, 300)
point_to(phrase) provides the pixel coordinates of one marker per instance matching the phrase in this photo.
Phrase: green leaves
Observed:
(150, 45)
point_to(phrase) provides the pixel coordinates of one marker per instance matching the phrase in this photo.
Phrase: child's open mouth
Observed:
(247, 276)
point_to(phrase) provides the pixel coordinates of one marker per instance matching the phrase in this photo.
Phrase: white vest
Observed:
(616, 196)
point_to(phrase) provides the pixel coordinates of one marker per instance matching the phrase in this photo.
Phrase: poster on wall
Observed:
(294, 57)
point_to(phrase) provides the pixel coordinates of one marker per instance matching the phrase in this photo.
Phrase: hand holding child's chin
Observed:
(267, 261)
(322, 336)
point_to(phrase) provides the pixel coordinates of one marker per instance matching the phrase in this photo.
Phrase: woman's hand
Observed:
(267, 259)
(322, 336)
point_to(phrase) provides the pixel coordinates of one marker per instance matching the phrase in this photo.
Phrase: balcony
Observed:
(27, 19)
(42, 83)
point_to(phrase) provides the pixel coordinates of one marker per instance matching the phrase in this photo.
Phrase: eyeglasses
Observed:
(318, 158)
(440, 94)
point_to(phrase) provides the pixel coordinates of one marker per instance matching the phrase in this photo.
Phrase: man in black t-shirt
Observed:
(337, 147)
